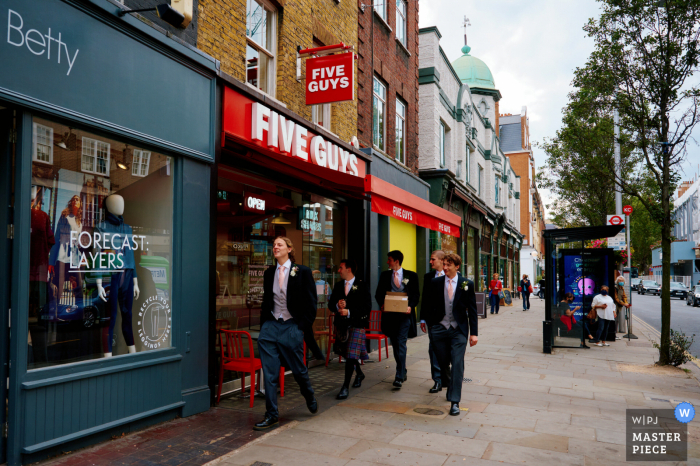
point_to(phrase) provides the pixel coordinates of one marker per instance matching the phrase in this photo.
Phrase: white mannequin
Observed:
(115, 204)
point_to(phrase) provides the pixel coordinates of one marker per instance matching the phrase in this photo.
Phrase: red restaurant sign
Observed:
(330, 79)
(258, 126)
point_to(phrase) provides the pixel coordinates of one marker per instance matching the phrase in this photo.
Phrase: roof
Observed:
(510, 137)
(473, 71)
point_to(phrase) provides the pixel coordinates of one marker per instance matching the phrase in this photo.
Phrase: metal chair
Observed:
(233, 358)
(375, 325)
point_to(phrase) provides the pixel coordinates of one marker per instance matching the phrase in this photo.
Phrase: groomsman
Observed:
(396, 325)
(288, 308)
(450, 319)
(436, 264)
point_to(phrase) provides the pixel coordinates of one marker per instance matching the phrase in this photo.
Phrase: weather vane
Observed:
(465, 24)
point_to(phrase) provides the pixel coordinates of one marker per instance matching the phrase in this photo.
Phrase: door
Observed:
(7, 150)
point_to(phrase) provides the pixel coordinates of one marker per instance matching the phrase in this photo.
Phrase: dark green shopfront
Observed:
(106, 143)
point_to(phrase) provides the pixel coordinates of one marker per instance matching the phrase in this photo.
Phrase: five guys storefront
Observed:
(278, 174)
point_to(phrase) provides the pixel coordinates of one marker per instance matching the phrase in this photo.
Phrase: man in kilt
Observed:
(351, 302)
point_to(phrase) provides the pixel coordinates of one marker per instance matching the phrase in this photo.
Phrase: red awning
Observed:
(391, 201)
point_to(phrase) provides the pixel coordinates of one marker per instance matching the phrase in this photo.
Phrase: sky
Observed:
(532, 48)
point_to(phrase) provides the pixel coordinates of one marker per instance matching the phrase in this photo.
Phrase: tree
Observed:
(646, 53)
(644, 233)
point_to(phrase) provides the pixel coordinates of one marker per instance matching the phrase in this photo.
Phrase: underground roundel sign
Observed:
(330, 79)
(615, 220)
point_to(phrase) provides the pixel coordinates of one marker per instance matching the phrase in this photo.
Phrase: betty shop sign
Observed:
(255, 124)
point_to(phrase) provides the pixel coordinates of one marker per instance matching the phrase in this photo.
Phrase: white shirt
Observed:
(345, 285)
(454, 283)
(609, 312)
(439, 273)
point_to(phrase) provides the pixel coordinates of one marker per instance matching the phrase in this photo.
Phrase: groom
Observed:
(288, 307)
(451, 320)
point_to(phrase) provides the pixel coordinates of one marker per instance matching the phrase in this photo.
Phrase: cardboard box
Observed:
(396, 302)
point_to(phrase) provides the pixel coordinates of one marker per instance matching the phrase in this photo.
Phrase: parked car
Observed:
(649, 286)
(634, 283)
(92, 313)
(693, 298)
(679, 290)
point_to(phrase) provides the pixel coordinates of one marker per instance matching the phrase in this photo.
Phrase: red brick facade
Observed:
(396, 68)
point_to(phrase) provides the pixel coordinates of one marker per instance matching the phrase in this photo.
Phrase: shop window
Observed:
(471, 246)
(43, 144)
(321, 115)
(139, 162)
(94, 239)
(497, 190)
(95, 156)
(379, 114)
(401, 21)
(481, 177)
(469, 166)
(400, 131)
(380, 9)
(261, 45)
(442, 144)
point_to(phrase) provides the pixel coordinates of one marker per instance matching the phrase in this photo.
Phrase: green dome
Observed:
(473, 71)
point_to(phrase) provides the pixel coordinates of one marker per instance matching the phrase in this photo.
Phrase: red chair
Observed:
(375, 325)
(233, 358)
(331, 340)
(282, 371)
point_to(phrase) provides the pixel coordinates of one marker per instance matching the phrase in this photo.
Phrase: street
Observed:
(683, 318)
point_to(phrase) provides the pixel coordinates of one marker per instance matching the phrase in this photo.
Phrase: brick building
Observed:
(515, 142)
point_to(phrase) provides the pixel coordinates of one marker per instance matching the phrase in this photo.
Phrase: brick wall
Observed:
(396, 68)
(188, 35)
(520, 162)
(222, 26)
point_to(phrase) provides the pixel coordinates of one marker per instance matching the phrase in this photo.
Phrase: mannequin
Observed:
(124, 287)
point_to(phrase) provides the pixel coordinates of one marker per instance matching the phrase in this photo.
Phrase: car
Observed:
(92, 313)
(693, 297)
(634, 283)
(678, 290)
(649, 286)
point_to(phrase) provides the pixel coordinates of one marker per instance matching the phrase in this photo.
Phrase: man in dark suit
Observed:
(395, 325)
(351, 302)
(450, 318)
(288, 307)
(436, 264)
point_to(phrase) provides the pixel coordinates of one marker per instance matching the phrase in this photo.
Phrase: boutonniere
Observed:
(354, 288)
(294, 271)
(405, 281)
(465, 286)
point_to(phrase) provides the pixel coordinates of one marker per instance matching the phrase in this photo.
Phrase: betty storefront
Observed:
(103, 173)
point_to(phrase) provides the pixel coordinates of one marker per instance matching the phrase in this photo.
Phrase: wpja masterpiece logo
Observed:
(656, 435)
(155, 322)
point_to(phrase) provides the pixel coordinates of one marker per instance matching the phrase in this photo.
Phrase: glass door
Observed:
(7, 152)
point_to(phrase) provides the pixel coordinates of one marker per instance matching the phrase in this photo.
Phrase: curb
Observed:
(287, 426)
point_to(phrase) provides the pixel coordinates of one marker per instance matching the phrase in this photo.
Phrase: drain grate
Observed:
(428, 411)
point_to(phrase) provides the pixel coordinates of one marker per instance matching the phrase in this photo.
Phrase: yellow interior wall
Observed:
(402, 236)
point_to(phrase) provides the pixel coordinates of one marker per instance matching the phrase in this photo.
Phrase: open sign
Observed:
(330, 79)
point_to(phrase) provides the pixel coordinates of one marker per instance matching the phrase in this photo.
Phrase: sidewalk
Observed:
(524, 407)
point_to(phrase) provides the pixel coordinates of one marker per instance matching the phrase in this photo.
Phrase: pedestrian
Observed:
(495, 289)
(621, 305)
(451, 320)
(288, 308)
(396, 325)
(351, 302)
(525, 287)
(437, 271)
(605, 308)
(567, 316)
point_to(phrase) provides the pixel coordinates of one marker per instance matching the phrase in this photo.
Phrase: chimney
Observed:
(684, 187)
(497, 129)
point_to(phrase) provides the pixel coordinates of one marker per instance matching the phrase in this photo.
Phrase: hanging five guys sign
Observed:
(330, 78)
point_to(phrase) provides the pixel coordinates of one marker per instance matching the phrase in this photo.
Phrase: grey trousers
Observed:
(450, 346)
(621, 321)
(282, 341)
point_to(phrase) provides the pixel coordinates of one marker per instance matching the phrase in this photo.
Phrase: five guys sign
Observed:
(330, 79)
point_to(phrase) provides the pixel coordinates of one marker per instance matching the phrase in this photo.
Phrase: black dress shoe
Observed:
(436, 388)
(454, 410)
(398, 383)
(266, 423)
(358, 380)
(586, 347)
(313, 406)
(343, 394)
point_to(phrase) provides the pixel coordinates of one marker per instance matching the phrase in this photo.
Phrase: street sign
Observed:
(627, 209)
(615, 220)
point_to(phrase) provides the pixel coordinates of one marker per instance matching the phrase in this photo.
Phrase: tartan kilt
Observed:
(354, 347)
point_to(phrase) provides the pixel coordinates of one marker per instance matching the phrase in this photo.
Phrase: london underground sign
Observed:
(615, 220)
(627, 209)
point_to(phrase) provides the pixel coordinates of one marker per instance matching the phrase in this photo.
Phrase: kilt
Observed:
(355, 347)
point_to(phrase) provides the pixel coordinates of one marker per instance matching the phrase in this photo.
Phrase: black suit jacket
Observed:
(358, 301)
(390, 320)
(301, 295)
(463, 307)
(425, 295)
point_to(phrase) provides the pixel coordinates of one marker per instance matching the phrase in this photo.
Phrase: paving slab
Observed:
(442, 443)
(531, 456)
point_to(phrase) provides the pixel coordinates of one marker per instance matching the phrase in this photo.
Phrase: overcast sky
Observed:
(532, 48)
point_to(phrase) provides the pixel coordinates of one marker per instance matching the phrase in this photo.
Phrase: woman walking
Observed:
(495, 288)
(525, 290)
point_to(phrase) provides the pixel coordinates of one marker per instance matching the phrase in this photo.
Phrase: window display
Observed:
(101, 247)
